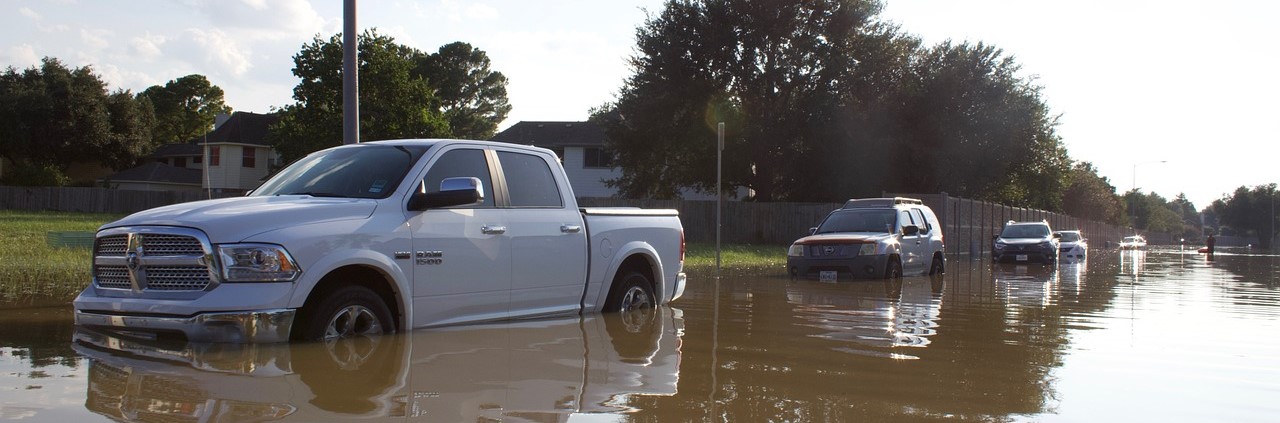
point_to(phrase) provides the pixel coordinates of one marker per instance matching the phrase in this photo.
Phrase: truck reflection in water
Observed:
(537, 370)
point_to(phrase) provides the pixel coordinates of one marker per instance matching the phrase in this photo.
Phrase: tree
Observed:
(823, 102)
(53, 116)
(404, 93)
(1091, 196)
(974, 128)
(185, 108)
(473, 97)
(775, 72)
(1250, 211)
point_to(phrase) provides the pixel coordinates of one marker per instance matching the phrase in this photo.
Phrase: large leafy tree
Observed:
(185, 108)
(774, 72)
(974, 128)
(473, 97)
(1091, 196)
(394, 103)
(821, 101)
(52, 116)
(1250, 211)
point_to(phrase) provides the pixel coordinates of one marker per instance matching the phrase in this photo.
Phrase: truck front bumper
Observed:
(242, 327)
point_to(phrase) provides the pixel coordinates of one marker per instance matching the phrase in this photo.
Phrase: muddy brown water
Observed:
(1161, 335)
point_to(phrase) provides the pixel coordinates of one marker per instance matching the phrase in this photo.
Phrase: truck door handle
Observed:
(493, 230)
(570, 229)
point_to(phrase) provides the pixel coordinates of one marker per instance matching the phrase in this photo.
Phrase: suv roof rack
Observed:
(857, 203)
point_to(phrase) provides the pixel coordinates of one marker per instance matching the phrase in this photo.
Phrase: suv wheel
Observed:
(938, 266)
(893, 270)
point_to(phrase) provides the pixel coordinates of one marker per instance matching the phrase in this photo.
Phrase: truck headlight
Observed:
(867, 249)
(257, 263)
(796, 250)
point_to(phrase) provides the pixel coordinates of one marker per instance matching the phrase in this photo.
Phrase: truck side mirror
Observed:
(453, 192)
(813, 230)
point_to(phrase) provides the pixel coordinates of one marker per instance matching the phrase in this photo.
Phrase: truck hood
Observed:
(843, 238)
(235, 219)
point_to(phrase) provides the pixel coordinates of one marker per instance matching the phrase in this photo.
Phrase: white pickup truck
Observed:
(379, 237)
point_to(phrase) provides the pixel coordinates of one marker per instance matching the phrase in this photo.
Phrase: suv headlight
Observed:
(867, 249)
(999, 246)
(796, 250)
(257, 263)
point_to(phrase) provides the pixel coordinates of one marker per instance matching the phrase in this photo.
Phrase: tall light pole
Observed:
(350, 74)
(1133, 213)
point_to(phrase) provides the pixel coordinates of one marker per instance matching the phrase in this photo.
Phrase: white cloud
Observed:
(482, 12)
(147, 46)
(216, 49)
(26, 11)
(277, 18)
(21, 56)
(95, 39)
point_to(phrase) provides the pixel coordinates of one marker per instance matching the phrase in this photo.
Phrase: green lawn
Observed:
(699, 257)
(31, 270)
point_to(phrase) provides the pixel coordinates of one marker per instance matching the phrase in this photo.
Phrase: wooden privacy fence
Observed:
(967, 224)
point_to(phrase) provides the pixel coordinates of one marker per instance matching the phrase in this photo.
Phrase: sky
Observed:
(1166, 96)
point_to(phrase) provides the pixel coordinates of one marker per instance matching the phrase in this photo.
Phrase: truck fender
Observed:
(625, 252)
(337, 259)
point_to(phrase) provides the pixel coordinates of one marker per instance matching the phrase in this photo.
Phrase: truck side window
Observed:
(529, 181)
(461, 163)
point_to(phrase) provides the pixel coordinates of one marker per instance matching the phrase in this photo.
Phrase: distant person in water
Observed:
(1208, 243)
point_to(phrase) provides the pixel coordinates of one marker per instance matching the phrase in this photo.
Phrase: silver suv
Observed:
(1022, 242)
(871, 238)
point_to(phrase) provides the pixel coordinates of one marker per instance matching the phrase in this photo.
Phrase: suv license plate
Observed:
(1020, 257)
(827, 276)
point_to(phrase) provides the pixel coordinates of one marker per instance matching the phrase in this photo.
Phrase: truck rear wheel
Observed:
(633, 291)
(350, 311)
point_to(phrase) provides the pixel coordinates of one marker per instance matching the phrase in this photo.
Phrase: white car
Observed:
(1134, 242)
(1073, 245)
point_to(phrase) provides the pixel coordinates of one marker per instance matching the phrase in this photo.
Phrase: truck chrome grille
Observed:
(153, 259)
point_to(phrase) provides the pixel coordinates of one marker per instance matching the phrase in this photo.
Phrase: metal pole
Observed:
(350, 75)
(719, 189)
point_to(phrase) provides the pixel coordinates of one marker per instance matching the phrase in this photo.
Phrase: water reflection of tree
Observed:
(39, 335)
(779, 360)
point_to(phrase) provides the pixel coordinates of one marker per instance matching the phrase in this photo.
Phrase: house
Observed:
(587, 163)
(232, 159)
(580, 146)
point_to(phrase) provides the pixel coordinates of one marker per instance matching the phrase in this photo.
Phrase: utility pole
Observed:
(719, 189)
(350, 75)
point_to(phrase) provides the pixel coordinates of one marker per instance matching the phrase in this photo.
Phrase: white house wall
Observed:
(587, 182)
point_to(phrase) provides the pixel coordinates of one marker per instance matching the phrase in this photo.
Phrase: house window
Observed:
(597, 157)
(214, 156)
(247, 159)
(180, 162)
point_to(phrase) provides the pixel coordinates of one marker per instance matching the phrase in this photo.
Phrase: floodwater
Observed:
(1161, 335)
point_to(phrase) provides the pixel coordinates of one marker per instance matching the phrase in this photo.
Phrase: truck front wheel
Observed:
(348, 312)
(633, 292)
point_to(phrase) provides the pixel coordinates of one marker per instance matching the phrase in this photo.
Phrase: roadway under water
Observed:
(1160, 335)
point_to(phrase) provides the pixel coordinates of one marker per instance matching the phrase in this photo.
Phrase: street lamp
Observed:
(1133, 213)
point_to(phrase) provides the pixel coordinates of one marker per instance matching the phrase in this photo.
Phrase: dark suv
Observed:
(1023, 242)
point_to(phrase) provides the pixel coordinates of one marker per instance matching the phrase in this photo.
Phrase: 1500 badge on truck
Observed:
(379, 237)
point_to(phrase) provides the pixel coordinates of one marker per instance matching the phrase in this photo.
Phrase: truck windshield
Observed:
(859, 220)
(1025, 231)
(359, 171)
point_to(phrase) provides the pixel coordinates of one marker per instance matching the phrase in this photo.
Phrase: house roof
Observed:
(241, 128)
(158, 172)
(170, 150)
(549, 134)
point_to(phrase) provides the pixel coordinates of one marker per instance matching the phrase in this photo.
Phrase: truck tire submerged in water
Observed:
(348, 312)
(632, 291)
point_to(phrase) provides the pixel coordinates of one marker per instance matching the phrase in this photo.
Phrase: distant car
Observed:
(1072, 245)
(1133, 242)
(871, 238)
(1025, 242)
